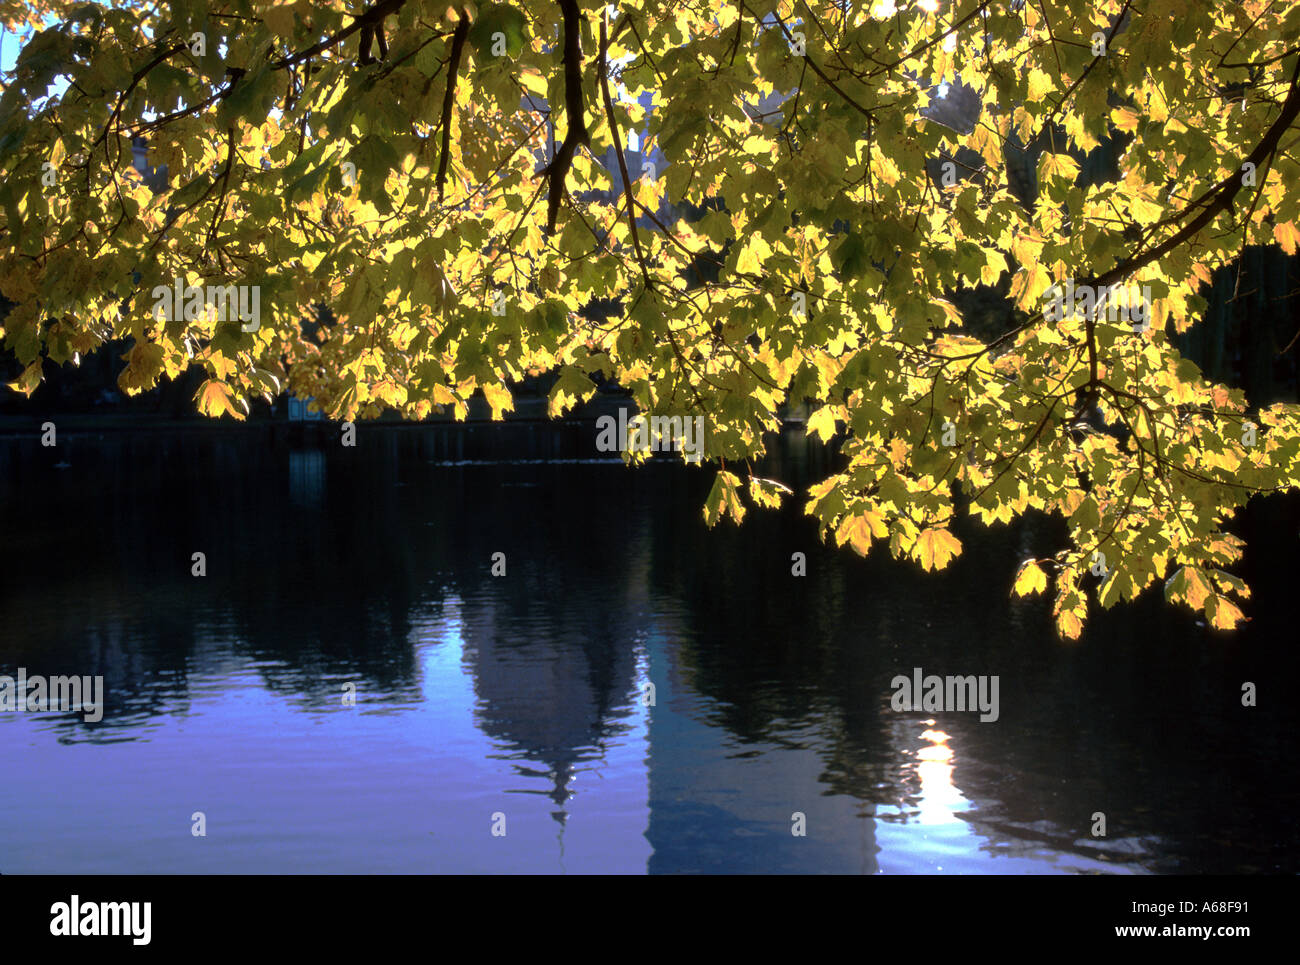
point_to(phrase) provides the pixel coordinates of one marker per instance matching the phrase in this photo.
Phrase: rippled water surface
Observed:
(523, 701)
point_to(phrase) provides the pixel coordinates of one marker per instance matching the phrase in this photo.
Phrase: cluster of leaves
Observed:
(389, 161)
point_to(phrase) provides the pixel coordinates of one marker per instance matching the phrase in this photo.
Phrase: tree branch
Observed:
(577, 134)
(225, 182)
(449, 101)
(618, 147)
(121, 101)
(1226, 193)
(366, 19)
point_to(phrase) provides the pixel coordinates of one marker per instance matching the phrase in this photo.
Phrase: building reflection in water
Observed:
(549, 693)
(306, 478)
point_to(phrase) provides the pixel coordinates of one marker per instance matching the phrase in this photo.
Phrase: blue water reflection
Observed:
(635, 694)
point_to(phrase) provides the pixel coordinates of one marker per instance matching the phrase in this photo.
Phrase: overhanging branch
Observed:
(557, 171)
(449, 101)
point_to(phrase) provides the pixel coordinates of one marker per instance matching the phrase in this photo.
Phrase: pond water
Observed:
(519, 703)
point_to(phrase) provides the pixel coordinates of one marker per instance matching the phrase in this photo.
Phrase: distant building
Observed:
(298, 411)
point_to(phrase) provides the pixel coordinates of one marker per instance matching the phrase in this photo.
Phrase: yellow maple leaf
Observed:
(1040, 82)
(858, 531)
(215, 398)
(1124, 119)
(767, 492)
(1030, 283)
(1027, 246)
(1193, 586)
(1286, 236)
(1222, 613)
(1060, 166)
(390, 393)
(499, 398)
(751, 257)
(1144, 210)
(995, 264)
(1068, 625)
(1030, 579)
(821, 423)
(30, 378)
(935, 547)
(857, 534)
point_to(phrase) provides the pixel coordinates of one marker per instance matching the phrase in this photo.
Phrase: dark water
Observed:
(523, 696)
